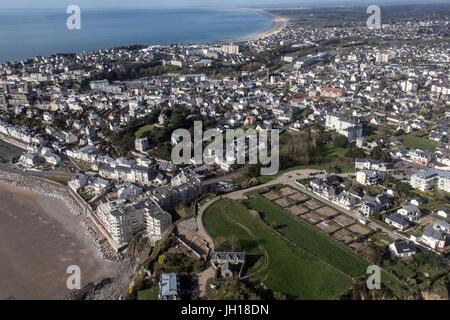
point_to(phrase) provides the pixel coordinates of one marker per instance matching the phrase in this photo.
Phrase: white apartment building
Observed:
(230, 48)
(120, 220)
(425, 180)
(124, 220)
(351, 128)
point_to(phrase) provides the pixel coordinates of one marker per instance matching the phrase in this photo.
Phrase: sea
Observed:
(25, 33)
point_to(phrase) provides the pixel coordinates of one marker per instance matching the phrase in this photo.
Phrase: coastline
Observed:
(278, 24)
(54, 191)
(39, 239)
(91, 42)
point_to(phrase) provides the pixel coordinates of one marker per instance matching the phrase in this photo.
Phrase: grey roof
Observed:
(236, 256)
(404, 246)
(441, 225)
(169, 286)
(410, 208)
(397, 218)
(430, 232)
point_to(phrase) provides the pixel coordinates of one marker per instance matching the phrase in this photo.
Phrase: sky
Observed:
(189, 3)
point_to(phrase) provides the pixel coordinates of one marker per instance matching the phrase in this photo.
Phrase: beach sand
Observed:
(279, 23)
(39, 239)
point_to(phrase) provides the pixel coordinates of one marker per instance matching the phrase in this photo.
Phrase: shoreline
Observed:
(279, 23)
(52, 190)
(40, 238)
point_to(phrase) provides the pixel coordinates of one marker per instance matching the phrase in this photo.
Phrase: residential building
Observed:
(142, 144)
(403, 249)
(410, 212)
(369, 164)
(433, 237)
(398, 221)
(169, 287)
(351, 128)
(426, 180)
(369, 178)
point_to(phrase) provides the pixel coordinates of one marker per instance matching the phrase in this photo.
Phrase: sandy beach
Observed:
(279, 23)
(39, 239)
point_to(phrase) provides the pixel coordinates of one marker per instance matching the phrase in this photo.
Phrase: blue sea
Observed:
(25, 33)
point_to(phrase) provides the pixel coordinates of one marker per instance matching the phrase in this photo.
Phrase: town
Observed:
(364, 155)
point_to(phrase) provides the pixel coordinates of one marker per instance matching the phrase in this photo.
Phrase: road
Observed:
(44, 174)
(289, 178)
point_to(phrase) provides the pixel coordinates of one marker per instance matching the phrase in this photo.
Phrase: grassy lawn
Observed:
(329, 150)
(308, 238)
(415, 142)
(144, 130)
(292, 271)
(148, 294)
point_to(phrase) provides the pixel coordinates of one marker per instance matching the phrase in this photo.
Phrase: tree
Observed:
(253, 171)
(340, 141)
(162, 259)
(355, 152)
(376, 153)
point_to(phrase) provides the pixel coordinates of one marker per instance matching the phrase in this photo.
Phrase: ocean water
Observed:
(25, 33)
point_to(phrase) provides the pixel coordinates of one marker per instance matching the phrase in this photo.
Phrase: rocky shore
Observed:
(99, 242)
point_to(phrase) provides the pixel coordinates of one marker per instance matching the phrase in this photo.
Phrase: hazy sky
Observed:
(186, 3)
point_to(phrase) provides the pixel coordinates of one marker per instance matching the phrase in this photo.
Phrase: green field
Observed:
(144, 130)
(148, 294)
(329, 150)
(291, 270)
(309, 238)
(415, 142)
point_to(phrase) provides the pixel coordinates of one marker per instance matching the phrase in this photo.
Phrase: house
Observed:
(442, 226)
(368, 178)
(417, 202)
(433, 238)
(179, 180)
(397, 221)
(369, 164)
(346, 200)
(403, 249)
(444, 213)
(30, 159)
(169, 287)
(325, 187)
(369, 206)
(410, 212)
(78, 182)
(161, 179)
(230, 263)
